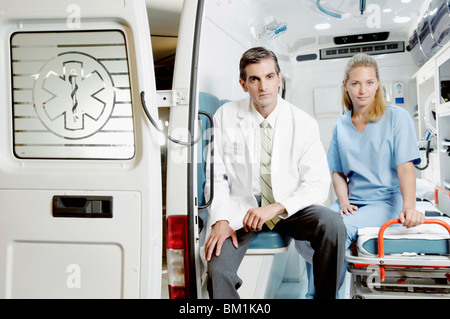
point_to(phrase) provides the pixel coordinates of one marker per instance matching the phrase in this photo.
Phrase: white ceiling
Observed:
(304, 14)
(301, 17)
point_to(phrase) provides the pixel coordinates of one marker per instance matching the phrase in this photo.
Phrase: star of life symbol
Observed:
(74, 95)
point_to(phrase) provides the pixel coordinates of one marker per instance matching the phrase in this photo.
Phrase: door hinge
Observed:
(169, 98)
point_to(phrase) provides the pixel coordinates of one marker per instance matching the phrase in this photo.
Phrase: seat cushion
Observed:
(269, 240)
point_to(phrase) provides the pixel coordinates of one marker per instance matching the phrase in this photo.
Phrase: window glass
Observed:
(71, 95)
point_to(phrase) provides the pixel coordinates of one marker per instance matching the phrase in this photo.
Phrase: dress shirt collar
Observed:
(257, 117)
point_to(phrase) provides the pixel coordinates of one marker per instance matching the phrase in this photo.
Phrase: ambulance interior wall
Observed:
(224, 40)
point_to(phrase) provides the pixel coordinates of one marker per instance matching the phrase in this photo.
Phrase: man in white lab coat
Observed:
(298, 181)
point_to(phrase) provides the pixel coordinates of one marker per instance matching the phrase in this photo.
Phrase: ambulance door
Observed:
(206, 76)
(183, 261)
(80, 177)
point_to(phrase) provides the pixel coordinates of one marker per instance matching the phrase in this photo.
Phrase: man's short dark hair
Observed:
(256, 55)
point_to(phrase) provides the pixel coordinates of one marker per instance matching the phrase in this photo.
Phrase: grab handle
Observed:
(211, 164)
(381, 239)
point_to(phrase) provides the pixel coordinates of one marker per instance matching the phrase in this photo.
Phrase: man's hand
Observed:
(220, 232)
(410, 217)
(256, 217)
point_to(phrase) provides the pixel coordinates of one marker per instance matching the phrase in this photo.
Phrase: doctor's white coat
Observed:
(300, 174)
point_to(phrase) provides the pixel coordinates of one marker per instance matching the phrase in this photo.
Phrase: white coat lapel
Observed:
(281, 140)
(247, 129)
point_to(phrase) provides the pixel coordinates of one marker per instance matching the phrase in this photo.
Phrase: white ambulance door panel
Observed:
(80, 175)
(58, 257)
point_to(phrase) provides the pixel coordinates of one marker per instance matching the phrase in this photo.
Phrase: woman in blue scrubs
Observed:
(372, 155)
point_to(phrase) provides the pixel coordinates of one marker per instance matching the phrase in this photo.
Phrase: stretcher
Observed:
(395, 262)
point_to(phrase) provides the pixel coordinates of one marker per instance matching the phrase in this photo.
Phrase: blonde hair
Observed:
(379, 104)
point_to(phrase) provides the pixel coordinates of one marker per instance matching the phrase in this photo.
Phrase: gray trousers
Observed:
(322, 227)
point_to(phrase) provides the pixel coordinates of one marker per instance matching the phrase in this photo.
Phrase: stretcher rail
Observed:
(381, 240)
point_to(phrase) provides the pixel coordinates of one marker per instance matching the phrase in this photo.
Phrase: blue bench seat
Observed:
(269, 240)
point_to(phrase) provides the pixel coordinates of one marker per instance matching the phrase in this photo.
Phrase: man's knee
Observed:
(218, 265)
(330, 222)
(228, 260)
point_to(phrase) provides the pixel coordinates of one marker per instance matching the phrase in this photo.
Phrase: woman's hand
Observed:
(347, 209)
(410, 217)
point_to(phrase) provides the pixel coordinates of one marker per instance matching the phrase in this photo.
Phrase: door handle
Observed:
(82, 206)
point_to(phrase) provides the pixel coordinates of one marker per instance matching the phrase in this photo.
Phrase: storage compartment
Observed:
(426, 39)
(418, 56)
(432, 32)
(440, 20)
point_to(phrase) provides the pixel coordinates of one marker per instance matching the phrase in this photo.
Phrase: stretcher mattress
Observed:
(426, 239)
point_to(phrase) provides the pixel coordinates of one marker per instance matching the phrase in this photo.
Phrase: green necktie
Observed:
(265, 178)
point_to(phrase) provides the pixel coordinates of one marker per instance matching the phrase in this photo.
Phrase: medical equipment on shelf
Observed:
(431, 131)
(425, 145)
(430, 113)
(272, 29)
(397, 262)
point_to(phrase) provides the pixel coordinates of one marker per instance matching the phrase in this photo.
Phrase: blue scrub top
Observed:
(370, 159)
